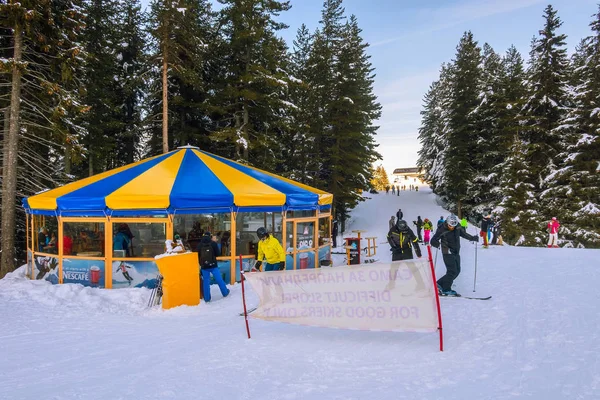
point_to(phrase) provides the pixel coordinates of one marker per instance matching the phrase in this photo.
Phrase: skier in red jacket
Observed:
(553, 227)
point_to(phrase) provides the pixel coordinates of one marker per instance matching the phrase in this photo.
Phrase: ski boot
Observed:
(450, 293)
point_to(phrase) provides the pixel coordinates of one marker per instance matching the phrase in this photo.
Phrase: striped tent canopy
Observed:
(185, 180)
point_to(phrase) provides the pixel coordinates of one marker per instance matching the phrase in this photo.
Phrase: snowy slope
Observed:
(536, 339)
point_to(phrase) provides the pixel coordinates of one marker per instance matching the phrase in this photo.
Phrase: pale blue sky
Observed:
(410, 39)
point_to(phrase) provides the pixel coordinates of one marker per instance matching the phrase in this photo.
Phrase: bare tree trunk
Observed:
(11, 147)
(5, 135)
(165, 101)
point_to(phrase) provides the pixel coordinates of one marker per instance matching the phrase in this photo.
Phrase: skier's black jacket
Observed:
(403, 241)
(450, 238)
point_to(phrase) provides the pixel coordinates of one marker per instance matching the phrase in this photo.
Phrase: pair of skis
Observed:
(157, 292)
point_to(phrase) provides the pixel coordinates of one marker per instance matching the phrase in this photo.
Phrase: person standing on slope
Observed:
(440, 222)
(553, 227)
(269, 249)
(485, 227)
(419, 224)
(392, 222)
(334, 232)
(427, 228)
(208, 251)
(448, 235)
(402, 240)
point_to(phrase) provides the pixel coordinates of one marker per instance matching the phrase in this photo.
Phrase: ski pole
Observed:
(435, 262)
(475, 279)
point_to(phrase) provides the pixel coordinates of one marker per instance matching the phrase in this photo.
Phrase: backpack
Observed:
(207, 255)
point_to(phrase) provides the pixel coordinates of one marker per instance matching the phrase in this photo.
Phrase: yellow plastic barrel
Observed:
(181, 283)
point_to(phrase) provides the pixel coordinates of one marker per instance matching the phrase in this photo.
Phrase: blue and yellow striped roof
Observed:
(185, 180)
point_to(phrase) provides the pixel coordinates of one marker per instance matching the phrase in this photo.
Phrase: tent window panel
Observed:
(324, 230)
(83, 239)
(301, 214)
(139, 239)
(45, 238)
(191, 228)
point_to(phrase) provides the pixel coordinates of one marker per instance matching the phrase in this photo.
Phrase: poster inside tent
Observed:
(86, 272)
(134, 274)
(46, 267)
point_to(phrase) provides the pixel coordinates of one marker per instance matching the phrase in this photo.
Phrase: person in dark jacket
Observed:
(419, 224)
(399, 215)
(486, 225)
(402, 240)
(448, 235)
(207, 258)
(496, 232)
(334, 232)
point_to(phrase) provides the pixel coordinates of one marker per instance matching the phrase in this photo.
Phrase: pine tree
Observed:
(182, 32)
(253, 90)
(132, 63)
(43, 104)
(461, 135)
(520, 218)
(102, 123)
(582, 158)
(323, 61)
(433, 130)
(299, 152)
(544, 110)
(353, 109)
(492, 145)
(380, 179)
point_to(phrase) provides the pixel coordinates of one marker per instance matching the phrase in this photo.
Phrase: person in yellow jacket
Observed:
(269, 249)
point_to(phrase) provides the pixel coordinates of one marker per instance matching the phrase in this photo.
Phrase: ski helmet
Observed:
(402, 225)
(452, 220)
(261, 232)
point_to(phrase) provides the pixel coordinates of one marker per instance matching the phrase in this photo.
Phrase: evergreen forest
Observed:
(519, 138)
(91, 85)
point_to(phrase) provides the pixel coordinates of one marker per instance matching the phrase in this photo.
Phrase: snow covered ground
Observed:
(537, 338)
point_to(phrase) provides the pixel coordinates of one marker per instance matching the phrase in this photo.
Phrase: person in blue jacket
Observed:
(207, 258)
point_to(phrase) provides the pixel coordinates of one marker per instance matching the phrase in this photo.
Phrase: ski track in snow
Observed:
(535, 339)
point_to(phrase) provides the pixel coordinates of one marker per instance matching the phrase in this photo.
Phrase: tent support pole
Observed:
(233, 248)
(108, 253)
